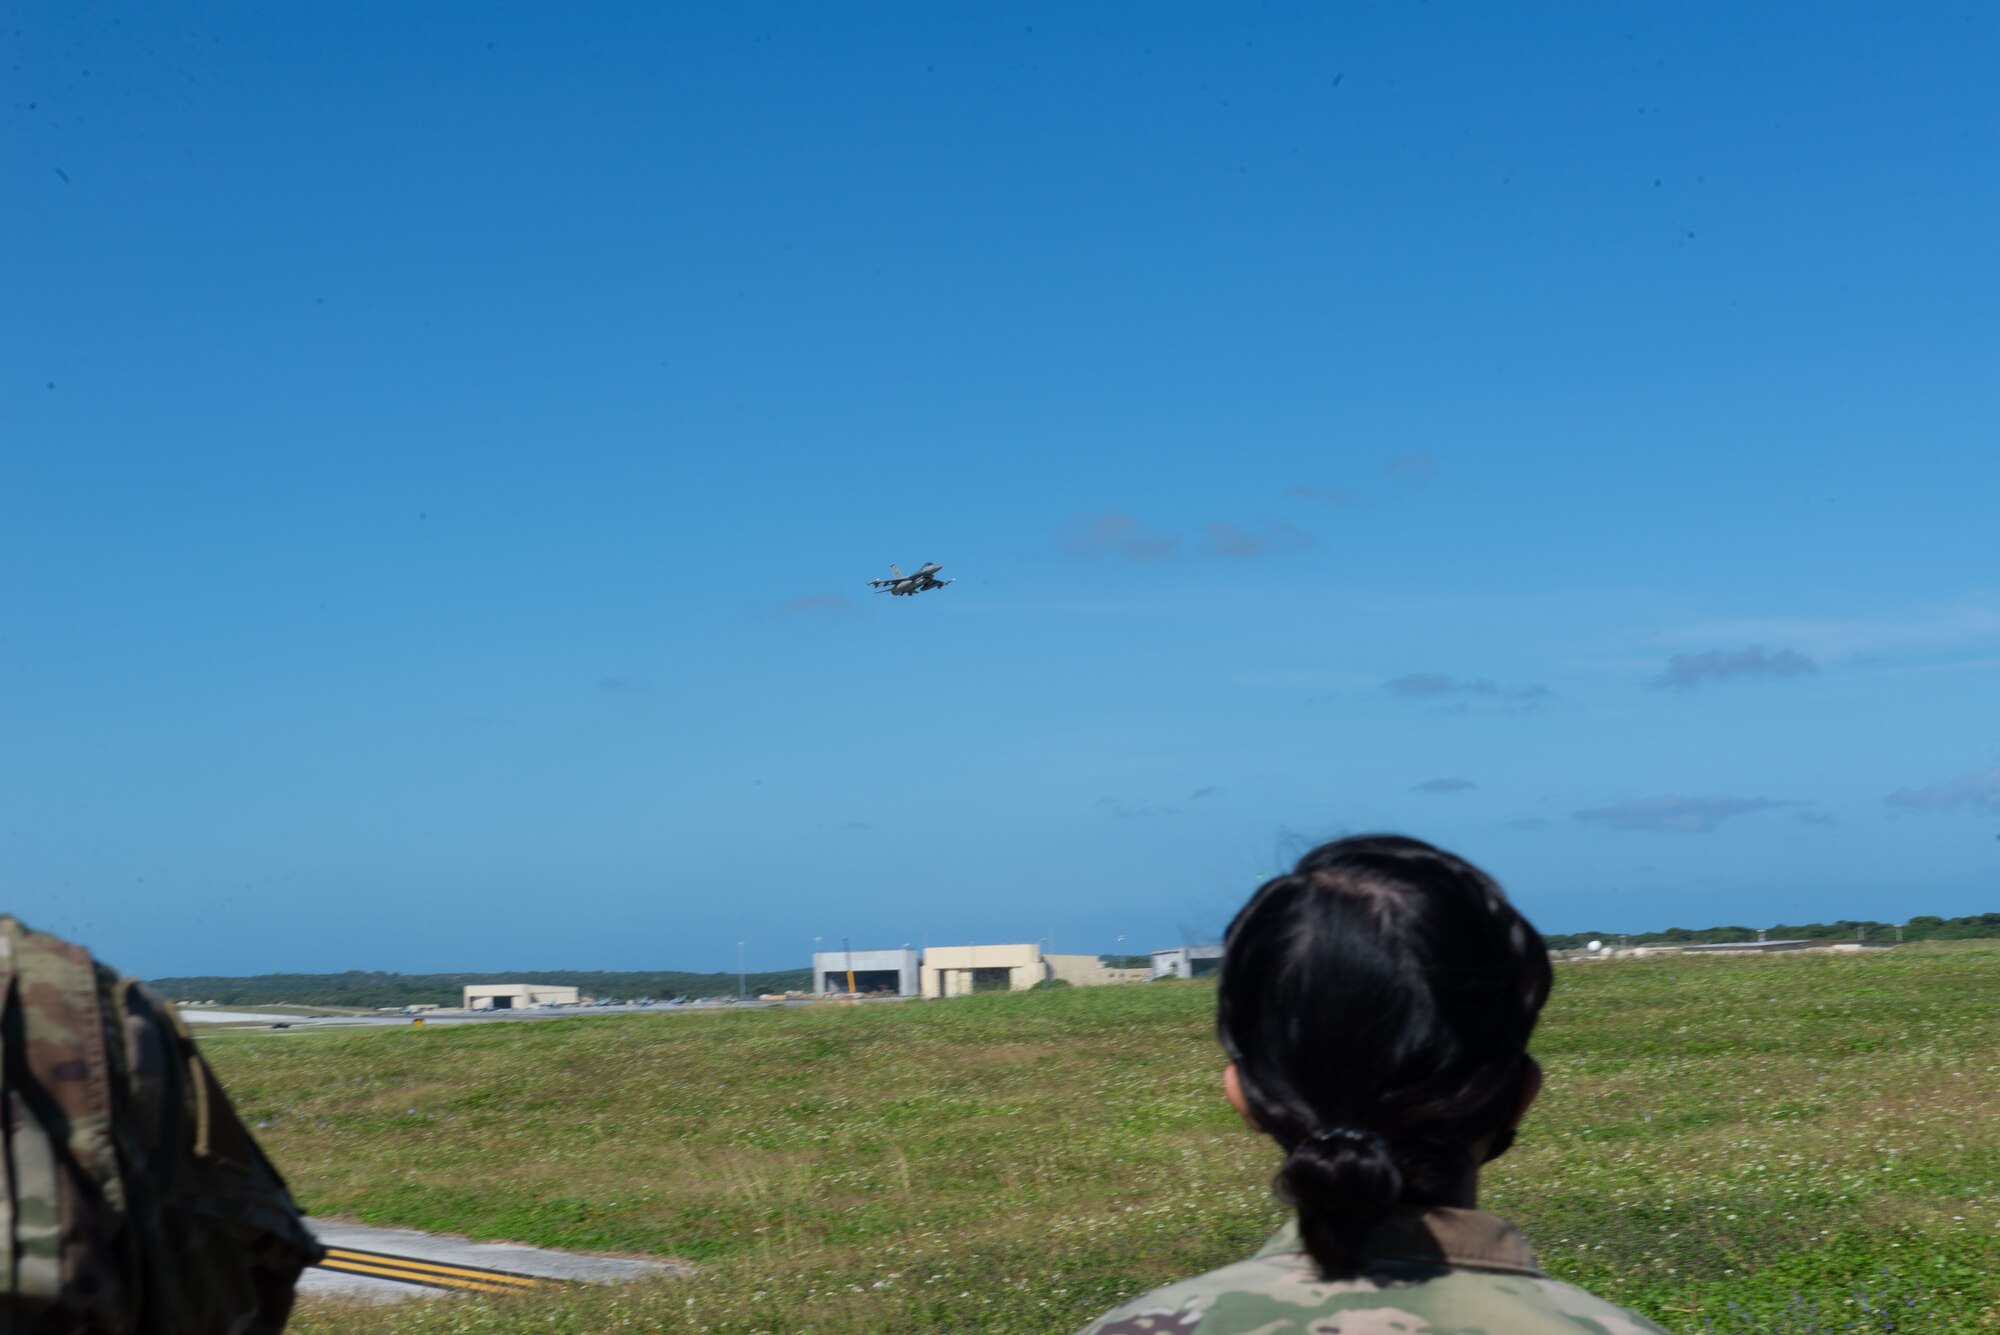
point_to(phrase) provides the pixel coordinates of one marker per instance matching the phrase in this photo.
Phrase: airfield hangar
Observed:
(516, 996)
(953, 971)
(1187, 962)
(1090, 971)
(875, 971)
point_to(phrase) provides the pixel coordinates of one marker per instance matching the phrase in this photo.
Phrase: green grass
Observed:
(1772, 1144)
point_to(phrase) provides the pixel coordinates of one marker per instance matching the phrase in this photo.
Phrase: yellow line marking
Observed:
(407, 1277)
(436, 1267)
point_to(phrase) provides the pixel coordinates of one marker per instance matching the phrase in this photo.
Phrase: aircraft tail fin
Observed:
(895, 570)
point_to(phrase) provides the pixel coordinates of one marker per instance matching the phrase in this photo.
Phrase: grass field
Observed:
(1770, 1144)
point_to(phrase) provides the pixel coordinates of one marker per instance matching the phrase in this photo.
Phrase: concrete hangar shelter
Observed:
(892, 971)
(954, 971)
(1187, 962)
(516, 996)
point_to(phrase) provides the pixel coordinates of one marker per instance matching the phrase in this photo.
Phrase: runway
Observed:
(293, 1018)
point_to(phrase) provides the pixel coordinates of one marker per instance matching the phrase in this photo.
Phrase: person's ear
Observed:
(1232, 1089)
(1531, 1085)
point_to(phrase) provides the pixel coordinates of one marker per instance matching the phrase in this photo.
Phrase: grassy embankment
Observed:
(1768, 1144)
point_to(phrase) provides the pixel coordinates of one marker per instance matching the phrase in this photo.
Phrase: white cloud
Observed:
(1115, 533)
(837, 603)
(1677, 815)
(1978, 791)
(1969, 620)
(1416, 469)
(1686, 671)
(1220, 539)
(1340, 497)
(1437, 686)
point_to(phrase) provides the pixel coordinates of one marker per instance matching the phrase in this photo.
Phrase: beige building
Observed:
(1090, 971)
(953, 971)
(516, 996)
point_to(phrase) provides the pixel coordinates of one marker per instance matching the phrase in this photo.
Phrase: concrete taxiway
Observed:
(367, 1264)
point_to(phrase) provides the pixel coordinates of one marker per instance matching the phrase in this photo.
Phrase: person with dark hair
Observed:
(1375, 1005)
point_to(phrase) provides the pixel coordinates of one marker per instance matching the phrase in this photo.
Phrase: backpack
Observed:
(135, 1202)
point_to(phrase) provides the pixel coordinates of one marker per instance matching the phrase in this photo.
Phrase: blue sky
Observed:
(443, 453)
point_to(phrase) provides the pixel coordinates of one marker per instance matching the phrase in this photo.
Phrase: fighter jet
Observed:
(902, 586)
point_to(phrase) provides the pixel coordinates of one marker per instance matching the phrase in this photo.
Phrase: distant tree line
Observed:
(1923, 928)
(370, 990)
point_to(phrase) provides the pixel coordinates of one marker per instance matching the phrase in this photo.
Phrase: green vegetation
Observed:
(1925, 927)
(374, 990)
(1770, 1144)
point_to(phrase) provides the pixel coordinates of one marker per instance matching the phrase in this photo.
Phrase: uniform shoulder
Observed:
(1287, 1282)
(1592, 1313)
(1284, 1295)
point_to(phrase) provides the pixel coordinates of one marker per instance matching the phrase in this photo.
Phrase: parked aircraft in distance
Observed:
(902, 586)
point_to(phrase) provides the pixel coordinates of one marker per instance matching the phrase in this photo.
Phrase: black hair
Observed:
(1377, 1002)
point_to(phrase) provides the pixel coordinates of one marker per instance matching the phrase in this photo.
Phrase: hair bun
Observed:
(1355, 1137)
(1342, 1173)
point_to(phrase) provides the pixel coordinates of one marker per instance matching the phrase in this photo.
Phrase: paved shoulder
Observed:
(371, 1264)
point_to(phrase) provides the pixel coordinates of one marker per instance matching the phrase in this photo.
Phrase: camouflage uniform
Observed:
(1440, 1272)
(134, 1201)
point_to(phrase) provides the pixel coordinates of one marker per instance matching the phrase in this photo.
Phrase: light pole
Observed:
(816, 979)
(742, 982)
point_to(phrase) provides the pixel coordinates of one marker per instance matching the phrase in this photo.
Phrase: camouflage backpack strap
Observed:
(65, 1197)
(228, 1242)
(27, 1273)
